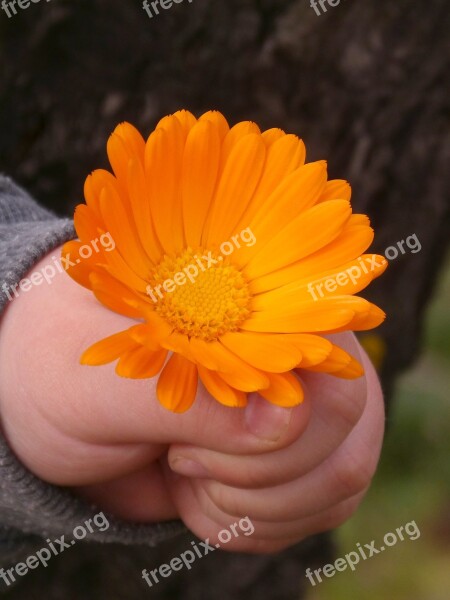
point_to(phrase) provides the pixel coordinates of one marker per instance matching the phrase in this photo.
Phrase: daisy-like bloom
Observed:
(251, 315)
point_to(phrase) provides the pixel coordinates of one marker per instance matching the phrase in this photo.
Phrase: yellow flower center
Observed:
(200, 294)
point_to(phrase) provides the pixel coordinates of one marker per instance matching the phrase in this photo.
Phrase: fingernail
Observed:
(188, 467)
(265, 420)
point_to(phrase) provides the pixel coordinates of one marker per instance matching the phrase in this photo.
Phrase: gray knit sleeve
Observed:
(31, 509)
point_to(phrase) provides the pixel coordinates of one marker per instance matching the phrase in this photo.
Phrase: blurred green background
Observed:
(412, 484)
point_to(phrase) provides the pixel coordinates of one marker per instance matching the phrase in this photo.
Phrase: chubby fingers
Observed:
(140, 496)
(336, 407)
(313, 502)
(96, 406)
(264, 536)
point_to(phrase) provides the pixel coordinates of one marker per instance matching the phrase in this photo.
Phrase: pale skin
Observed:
(294, 472)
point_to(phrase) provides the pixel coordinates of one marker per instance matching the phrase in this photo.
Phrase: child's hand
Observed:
(293, 472)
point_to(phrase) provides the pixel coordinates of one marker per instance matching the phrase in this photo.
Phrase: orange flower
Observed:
(231, 254)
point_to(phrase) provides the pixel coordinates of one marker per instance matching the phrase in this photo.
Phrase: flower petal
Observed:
(115, 296)
(141, 363)
(124, 143)
(220, 390)
(306, 234)
(370, 318)
(78, 268)
(177, 384)
(108, 349)
(349, 278)
(235, 189)
(186, 119)
(284, 390)
(283, 157)
(326, 315)
(234, 136)
(296, 193)
(123, 232)
(152, 333)
(179, 343)
(163, 159)
(271, 353)
(87, 226)
(336, 360)
(218, 120)
(314, 348)
(336, 189)
(350, 244)
(352, 371)
(199, 177)
(270, 136)
(142, 216)
(214, 356)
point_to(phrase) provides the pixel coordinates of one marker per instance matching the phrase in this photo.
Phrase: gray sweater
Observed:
(108, 563)
(29, 508)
